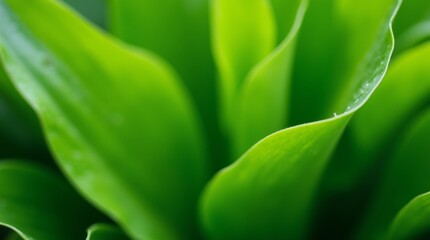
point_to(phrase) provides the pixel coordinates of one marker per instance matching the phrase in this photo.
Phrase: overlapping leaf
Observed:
(254, 75)
(117, 120)
(20, 134)
(271, 186)
(405, 177)
(39, 205)
(335, 38)
(405, 90)
(413, 220)
(178, 31)
(262, 100)
(412, 25)
(243, 34)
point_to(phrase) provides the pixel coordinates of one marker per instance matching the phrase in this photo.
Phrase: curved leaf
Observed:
(118, 122)
(403, 92)
(262, 101)
(334, 40)
(412, 220)
(178, 31)
(407, 80)
(412, 24)
(38, 205)
(414, 36)
(102, 231)
(243, 33)
(405, 177)
(285, 16)
(268, 192)
(20, 134)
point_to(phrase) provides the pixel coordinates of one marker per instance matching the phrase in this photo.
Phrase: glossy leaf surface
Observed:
(243, 33)
(404, 92)
(273, 184)
(262, 100)
(117, 120)
(178, 31)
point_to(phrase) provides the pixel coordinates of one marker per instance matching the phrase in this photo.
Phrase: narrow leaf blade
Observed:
(263, 99)
(243, 33)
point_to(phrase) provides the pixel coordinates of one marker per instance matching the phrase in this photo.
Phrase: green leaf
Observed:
(411, 13)
(243, 33)
(262, 99)
(405, 177)
(102, 231)
(334, 40)
(414, 36)
(178, 31)
(39, 205)
(412, 24)
(268, 193)
(254, 74)
(412, 220)
(407, 80)
(20, 134)
(285, 16)
(117, 120)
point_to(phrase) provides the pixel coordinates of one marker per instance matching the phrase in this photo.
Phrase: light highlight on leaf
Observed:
(273, 184)
(243, 33)
(117, 120)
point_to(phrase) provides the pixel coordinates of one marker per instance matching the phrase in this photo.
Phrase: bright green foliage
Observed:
(236, 51)
(178, 31)
(412, 220)
(259, 191)
(408, 81)
(215, 119)
(405, 177)
(261, 101)
(103, 139)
